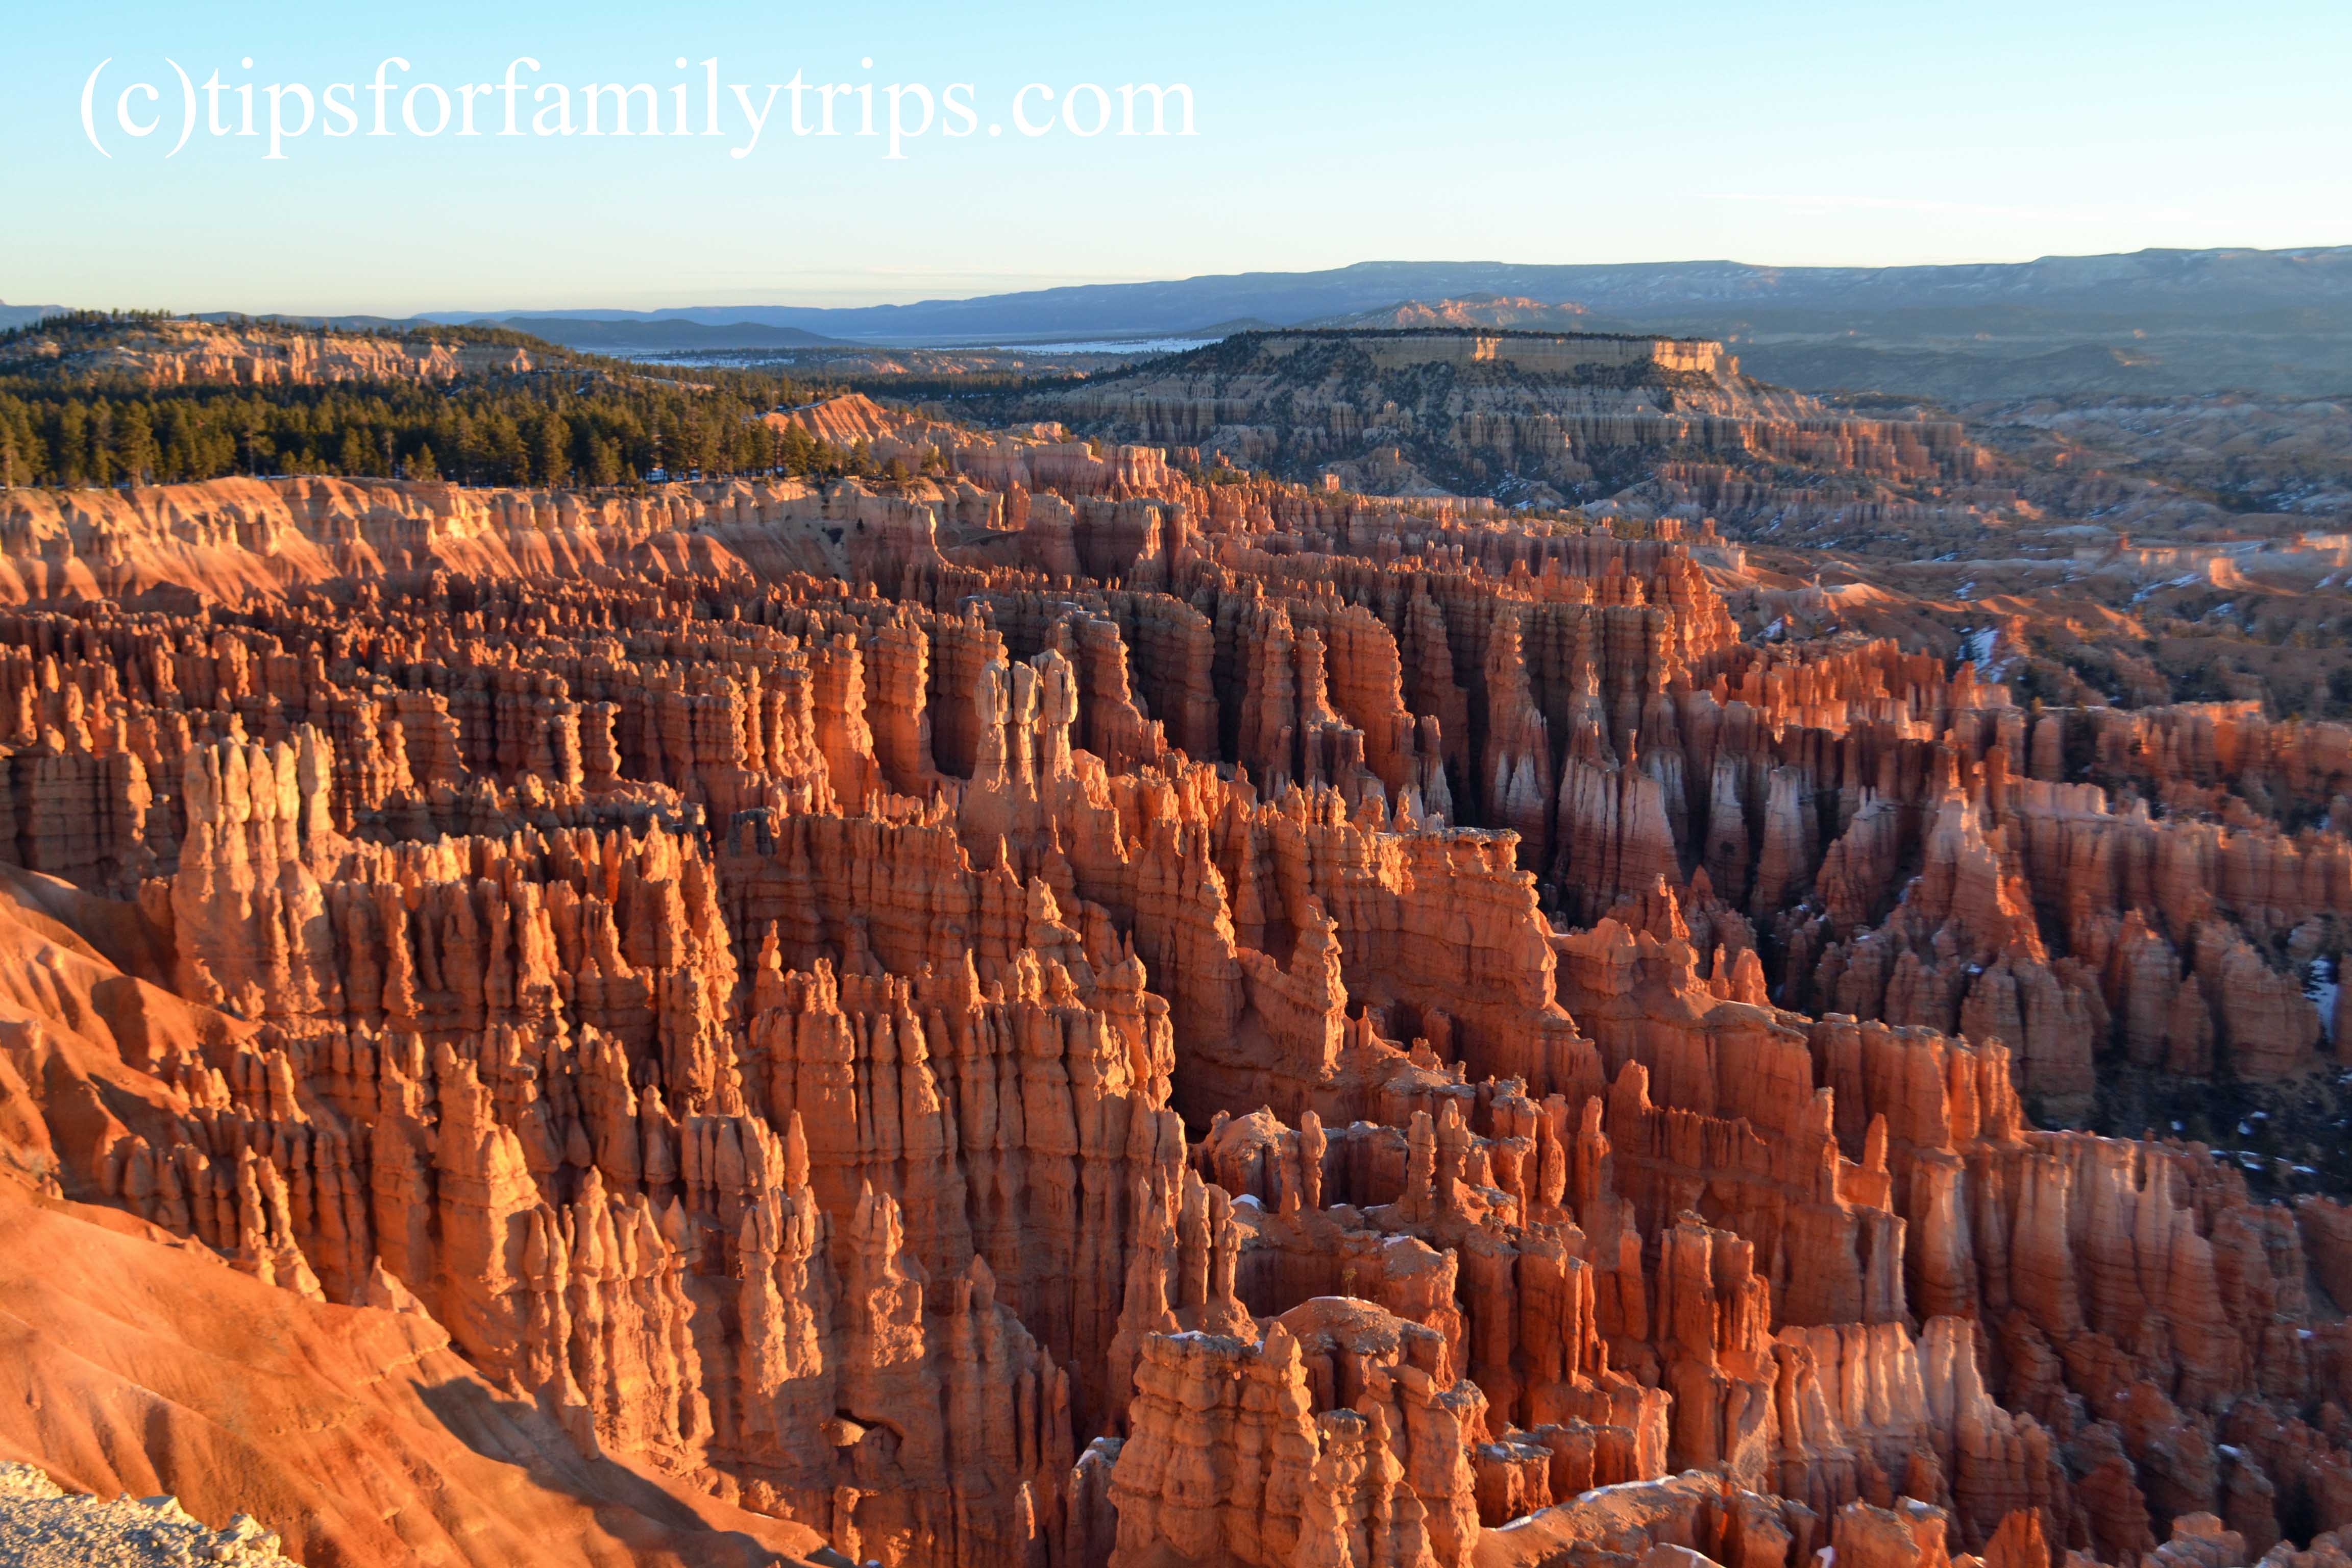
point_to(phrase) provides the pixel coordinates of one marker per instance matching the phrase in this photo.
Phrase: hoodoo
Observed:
(1057, 1012)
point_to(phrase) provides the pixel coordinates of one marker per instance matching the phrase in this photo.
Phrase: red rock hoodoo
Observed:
(1057, 1016)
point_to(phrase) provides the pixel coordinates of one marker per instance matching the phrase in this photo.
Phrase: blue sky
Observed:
(1326, 134)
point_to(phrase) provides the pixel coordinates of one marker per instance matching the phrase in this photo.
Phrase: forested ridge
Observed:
(577, 419)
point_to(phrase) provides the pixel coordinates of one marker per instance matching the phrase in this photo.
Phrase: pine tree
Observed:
(550, 451)
(177, 439)
(798, 451)
(98, 434)
(136, 456)
(68, 422)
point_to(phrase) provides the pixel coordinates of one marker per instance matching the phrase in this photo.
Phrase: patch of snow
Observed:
(2321, 990)
(2189, 581)
(1621, 1487)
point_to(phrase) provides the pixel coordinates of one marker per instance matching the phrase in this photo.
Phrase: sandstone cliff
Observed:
(1058, 1015)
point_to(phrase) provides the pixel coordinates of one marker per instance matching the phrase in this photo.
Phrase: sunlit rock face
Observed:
(1062, 1013)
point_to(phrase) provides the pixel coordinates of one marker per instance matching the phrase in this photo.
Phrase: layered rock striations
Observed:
(1432, 408)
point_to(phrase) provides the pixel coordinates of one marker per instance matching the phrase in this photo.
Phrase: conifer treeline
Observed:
(566, 426)
(74, 330)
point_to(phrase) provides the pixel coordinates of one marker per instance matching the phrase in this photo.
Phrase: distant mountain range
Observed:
(12, 316)
(663, 335)
(597, 333)
(2153, 322)
(2174, 281)
(2157, 322)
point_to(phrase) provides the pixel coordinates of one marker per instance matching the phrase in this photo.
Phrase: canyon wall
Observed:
(1062, 1013)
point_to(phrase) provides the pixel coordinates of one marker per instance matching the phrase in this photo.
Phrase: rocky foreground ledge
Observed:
(42, 1525)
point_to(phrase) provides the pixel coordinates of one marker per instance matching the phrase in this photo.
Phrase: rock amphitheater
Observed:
(1057, 1016)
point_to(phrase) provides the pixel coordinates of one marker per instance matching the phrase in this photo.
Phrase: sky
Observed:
(1324, 134)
